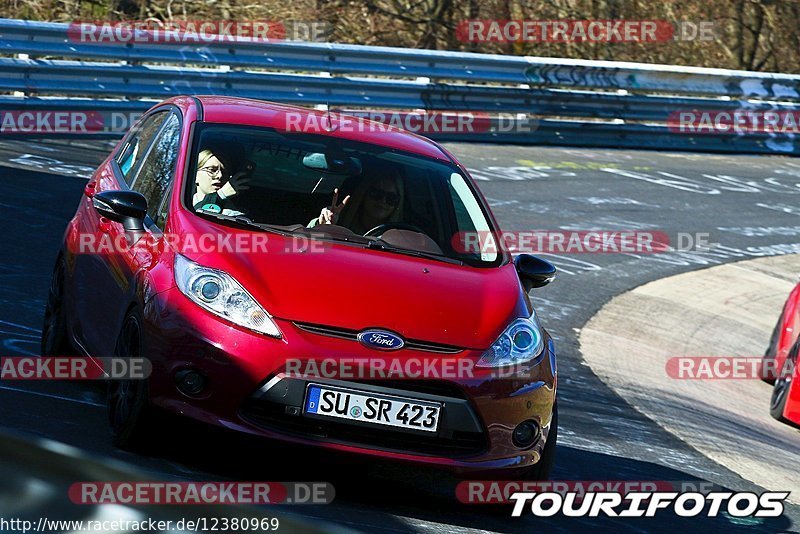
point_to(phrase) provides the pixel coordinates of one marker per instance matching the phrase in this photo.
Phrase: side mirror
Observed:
(126, 207)
(534, 272)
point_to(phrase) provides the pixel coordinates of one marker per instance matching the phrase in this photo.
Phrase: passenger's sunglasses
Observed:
(388, 197)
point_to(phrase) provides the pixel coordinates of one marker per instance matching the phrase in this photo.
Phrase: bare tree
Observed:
(749, 34)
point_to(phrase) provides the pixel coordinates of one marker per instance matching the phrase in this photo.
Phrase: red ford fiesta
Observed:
(302, 276)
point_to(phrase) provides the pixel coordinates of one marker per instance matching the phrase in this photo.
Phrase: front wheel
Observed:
(782, 385)
(769, 354)
(129, 413)
(55, 338)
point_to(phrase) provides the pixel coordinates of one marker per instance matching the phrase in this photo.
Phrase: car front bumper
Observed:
(249, 389)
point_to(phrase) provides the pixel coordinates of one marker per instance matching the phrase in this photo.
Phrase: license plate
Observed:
(374, 408)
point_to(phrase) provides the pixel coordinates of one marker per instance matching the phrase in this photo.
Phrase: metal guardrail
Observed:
(546, 132)
(605, 103)
(138, 81)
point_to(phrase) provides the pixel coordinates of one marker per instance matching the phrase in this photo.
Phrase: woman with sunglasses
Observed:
(215, 187)
(374, 202)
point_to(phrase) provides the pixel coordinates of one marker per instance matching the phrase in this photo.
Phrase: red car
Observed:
(780, 362)
(262, 252)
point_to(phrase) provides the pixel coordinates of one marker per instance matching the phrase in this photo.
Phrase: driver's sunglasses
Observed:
(388, 197)
(213, 171)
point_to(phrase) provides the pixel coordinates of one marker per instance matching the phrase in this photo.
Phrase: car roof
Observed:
(245, 111)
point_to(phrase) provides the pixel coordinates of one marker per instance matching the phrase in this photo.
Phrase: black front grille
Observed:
(345, 333)
(453, 444)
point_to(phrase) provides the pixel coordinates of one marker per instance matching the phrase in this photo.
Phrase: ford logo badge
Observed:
(381, 340)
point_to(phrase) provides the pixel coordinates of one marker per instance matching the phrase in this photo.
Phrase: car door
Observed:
(86, 283)
(146, 166)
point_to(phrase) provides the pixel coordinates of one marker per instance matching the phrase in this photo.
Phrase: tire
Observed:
(130, 415)
(772, 349)
(543, 469)
(782, 385)
(55, 337)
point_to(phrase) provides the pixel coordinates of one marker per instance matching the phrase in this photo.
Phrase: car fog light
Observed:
(190, 382)
(526, 433)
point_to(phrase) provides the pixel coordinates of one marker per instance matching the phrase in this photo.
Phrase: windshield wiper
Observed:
(336, 233)
(379, 244)
(245, 221)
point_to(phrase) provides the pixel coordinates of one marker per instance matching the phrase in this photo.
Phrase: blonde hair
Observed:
(204, 156)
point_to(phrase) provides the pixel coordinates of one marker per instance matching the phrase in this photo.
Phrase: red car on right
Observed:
(780, 362)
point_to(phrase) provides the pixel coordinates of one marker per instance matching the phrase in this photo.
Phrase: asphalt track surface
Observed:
(747, 204)
(720, 418)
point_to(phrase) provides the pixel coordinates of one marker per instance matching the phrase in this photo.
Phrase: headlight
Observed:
(220, 294)
(520, 342)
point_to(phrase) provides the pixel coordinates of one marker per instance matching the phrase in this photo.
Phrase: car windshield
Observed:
(336, 189)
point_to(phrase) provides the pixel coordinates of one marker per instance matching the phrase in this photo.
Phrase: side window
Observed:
(136, 144)
(463, 219)
(161, 219)
(154, 178)
(469, 216)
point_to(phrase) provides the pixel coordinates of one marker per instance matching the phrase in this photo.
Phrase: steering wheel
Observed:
(383, 228)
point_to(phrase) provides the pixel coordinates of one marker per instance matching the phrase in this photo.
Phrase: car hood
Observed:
(354, 288)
